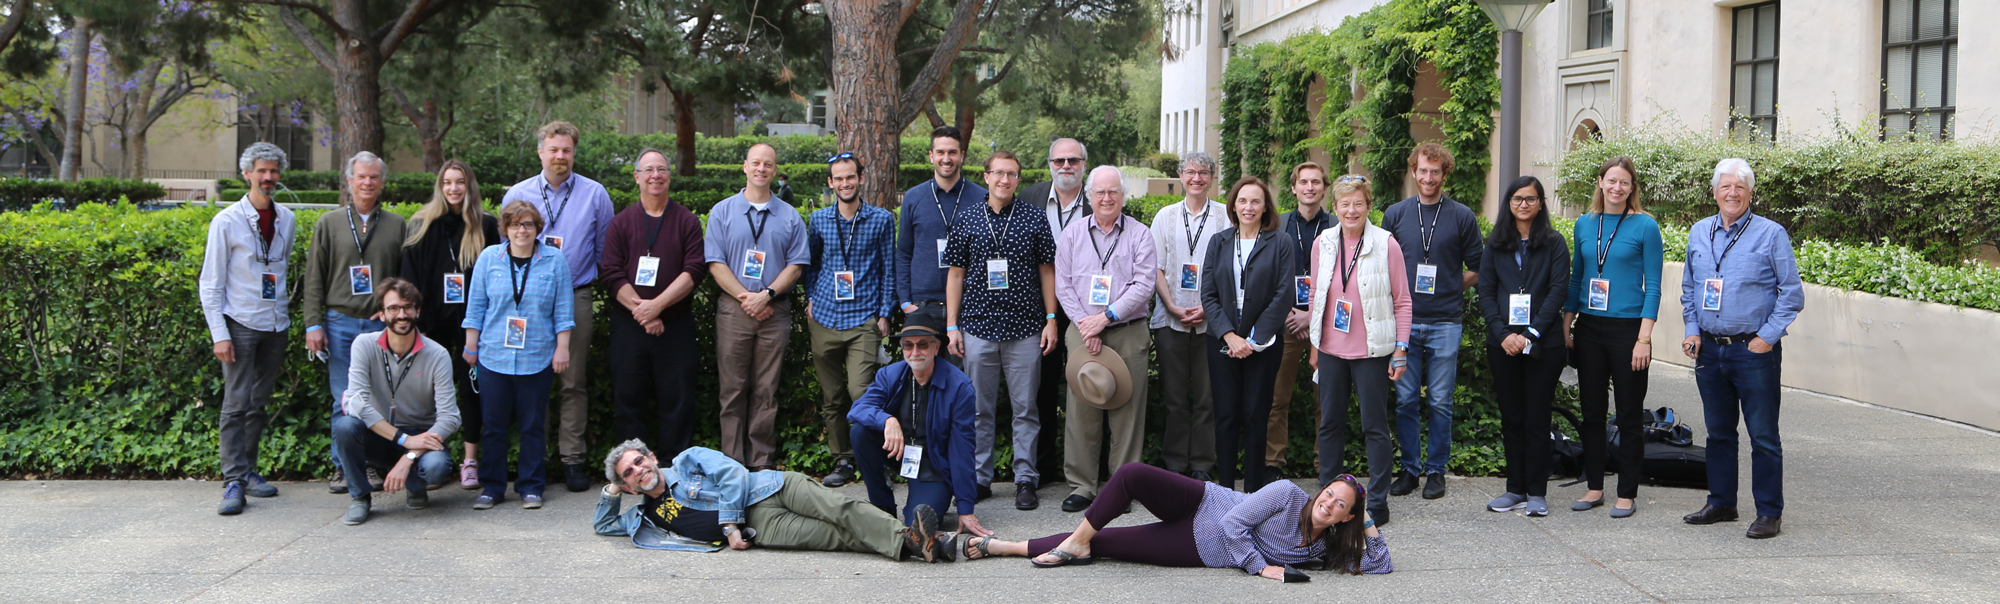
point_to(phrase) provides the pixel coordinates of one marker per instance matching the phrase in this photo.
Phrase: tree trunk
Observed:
(684, 134)
(79, 85)
(965, 103)
(865, 93)
(139, 109)
(357, 98)
(431, 125)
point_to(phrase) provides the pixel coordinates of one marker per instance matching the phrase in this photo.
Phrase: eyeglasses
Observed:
(1065, 161)
(1104, 193)
(1197, 173)
(1524, 200)
(1004, 174)
(653, 170)
(840, 157)
(1352, 178)
(399, 308)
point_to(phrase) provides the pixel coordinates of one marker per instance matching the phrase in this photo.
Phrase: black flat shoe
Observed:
(1380, 516)
(984, 493)
(1434, 486)
(1709, 514)
(1076, 503)
(1202, 476)
(1764, 527)
(1405, 483)
(1025, 497)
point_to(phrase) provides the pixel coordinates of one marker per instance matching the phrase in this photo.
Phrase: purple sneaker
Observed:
(468, 475)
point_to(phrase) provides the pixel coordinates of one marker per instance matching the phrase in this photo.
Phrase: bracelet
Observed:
(402, 438)
(950, 328)
(1368, 524)
(1646, 341)
(1049, 316)
(1393, 363)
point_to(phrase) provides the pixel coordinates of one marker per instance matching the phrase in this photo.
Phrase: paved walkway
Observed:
(1881, 506)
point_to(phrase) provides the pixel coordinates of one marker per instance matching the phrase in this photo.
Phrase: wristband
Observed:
(1050, 316)
(1368, 524)
(402, 438)
(950, 328)
(312, 328)
(1393, 363)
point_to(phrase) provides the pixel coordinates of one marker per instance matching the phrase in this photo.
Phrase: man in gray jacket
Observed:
(399, 408)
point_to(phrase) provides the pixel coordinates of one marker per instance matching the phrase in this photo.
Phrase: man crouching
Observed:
(705, 498)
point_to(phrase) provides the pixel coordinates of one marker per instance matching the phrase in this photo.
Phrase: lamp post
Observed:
(1511, 16)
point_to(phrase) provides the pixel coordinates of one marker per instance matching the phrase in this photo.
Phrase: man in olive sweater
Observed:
(353, 249)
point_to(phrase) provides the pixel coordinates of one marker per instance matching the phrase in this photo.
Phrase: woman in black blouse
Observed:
(1522, 284)
(1246, 302)
(437, 255)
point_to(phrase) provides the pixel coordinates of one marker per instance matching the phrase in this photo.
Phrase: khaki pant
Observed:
(748, 355)
(845, 361)
(803, 515)
(573, 401)
(1086, 425)
(1278, 434)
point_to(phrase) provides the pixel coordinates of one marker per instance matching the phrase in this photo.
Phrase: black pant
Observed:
(1374, 393)
(1049, 403)
(649, 370)
(1525, 388)
(1243, 391)
(1604, 358)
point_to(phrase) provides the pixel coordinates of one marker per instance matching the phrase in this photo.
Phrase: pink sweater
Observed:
(1354, 343)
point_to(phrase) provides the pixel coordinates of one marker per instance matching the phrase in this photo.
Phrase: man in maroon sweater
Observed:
(652, 262)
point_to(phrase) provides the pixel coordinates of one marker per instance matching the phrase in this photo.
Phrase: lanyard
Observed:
(1429, 232)
(916, 409)
(521, 283)
(1103, 256)
(1064, 216)
(1347, 266)
(360, 244)
(1301, 242)
(1005, 224)
(844, 234)
(756, 228)
(556, 216)
(1604, 245)
(1732, 241)
(1194, 235)
(395, 381)
(955, 198)
(655, 235)
(257, 233)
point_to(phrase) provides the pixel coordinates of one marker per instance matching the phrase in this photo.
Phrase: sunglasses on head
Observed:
(1352, 178)
(1360, 492)
(840, 157)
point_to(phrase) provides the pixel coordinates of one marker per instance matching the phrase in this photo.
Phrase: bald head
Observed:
(760, 163)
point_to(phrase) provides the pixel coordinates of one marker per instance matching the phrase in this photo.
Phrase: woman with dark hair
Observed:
(517, 326)
(1246, 300)
(1608, 324)
(1205, 524)
(437, 256)
(1522, 283)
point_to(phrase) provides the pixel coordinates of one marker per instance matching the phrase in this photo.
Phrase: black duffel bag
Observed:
(1669, 465)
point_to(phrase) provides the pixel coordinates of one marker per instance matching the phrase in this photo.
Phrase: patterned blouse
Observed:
(1253, 530)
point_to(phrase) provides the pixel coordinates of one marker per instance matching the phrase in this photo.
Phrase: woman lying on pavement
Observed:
(1204, 524)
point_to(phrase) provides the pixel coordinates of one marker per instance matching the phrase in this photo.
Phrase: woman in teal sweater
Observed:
(1614, 297)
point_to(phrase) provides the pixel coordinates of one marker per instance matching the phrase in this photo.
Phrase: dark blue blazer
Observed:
(948, 422)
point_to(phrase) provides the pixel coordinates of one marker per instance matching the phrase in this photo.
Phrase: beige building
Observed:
(1790, 68)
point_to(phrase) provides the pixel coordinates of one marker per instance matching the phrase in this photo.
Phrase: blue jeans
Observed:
(360, 447)
(510, 401)
(1434, 369)
(1734, 380)
(340, 333)
(873, 463)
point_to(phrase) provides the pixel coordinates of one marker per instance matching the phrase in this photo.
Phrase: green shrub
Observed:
(307, 196)
(23, 193)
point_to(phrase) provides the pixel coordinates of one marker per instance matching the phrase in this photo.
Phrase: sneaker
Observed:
(254, 485)
(575, 477)
(232, 498)
(485, 502)
(418, 499)
(468, 475)
(336, 482)
(357, 512)
(926, 529)
(1434, 486)
(1405, 483)
(1507, 502)
(1537, 507)
(843, 473)
(531, 502)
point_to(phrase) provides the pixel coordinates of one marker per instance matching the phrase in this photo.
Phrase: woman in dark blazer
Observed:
(1245, 299)
(1522, 284)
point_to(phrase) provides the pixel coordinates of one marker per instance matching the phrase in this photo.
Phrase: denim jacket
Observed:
(702, 479)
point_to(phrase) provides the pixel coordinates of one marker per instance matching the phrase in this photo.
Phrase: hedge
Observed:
(1939, 199)
(23, 193)
(601, 154)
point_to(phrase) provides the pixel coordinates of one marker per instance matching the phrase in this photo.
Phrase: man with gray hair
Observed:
(1105, 269)
(353, 248)
(1740, 290)
(1063, 202)
(1180, 235)
(243, 300)
(704, 499)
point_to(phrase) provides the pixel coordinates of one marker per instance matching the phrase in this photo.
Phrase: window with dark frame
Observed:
(1753, 78)
(1598, 24)
(290, 128)
(1919, 68)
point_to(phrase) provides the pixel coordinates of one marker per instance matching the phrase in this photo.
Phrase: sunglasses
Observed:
(1360, 492)
(840, 157)
(1066, 161)
(1352, 178)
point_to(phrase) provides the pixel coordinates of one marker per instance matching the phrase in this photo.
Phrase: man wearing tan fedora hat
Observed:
(1105, 271)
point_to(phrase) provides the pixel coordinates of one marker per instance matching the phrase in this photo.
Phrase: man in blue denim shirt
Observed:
(705, 494)
(850, 286)
(1739, 291)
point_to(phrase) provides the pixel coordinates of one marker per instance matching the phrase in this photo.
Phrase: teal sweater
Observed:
(1633, 266)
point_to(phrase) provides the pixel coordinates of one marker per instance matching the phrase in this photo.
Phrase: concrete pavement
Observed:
(1881, 506)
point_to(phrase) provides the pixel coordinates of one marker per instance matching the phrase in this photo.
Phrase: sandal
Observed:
(963, 541)
(1063, 558)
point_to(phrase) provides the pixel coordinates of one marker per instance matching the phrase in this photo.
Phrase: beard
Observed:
(921, 363)
(1068, 182)
(403, 326)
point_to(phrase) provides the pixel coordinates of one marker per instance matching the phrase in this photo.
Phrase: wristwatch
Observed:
(412, 456)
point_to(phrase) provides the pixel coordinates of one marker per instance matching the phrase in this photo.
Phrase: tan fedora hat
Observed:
(1102, 380)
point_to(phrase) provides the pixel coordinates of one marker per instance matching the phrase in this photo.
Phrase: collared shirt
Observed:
(1125, 253)
(546, 302)
(674, 238)
(1761, 292)
(926, 211)
(1060, 218)
(578, 211)
(736, 227)
(1018, 235)
(1455, 247)
(1181, 238)
(861, 246)
(1304, 232)
(948, 429)
(413, 392)
(233, 264)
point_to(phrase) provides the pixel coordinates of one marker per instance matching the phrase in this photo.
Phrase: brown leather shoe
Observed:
(1764, 527)
(1709, 514)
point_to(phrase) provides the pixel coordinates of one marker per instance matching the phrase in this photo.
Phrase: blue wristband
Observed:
(951, 328)
(1050, 316)
(402, 438)
(312, 328)
(1368, 524)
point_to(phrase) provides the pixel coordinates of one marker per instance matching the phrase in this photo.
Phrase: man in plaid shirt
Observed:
(851, 291)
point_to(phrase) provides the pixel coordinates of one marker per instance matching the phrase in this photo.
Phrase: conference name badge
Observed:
(996, 274)
(1427, 279)
(649, 272)
(454, 288)
(267, 287)
(753, 265)
(940, 249)
(361, 280)
(1517, 309)
(913, 459)
(843, 285)
(553, 241)
(517, 333)
(1600, 294)
(1711, 294)
(1302, 290)
(1100, 290)
(1343, 315)
(1190, 277)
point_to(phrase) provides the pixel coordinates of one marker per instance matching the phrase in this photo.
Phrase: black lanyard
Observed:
(555, 217)
(360, 243)
(257, 233)
(395, 382)
(955, 198)
(845, 235)
(1064, 216)
(756, 228)
(1428, 233)
(655, 235)
(1604, 245)
(1299, 239)
(914, 420)
(1194, 235)
(1104, 257)
(1732, 240)
(1005, 224)
(1347, 266)
(520, 283)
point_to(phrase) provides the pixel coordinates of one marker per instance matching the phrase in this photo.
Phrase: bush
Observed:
(1940, 199)
(1166, 163)
(608, 157)
(23, 193)
(307, 196)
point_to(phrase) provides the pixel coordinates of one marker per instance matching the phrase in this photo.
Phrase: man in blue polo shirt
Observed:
(756, 247)
(930, 210)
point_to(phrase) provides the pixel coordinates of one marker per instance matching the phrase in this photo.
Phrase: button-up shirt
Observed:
(735, 226)
(1059, 217)
(233, 264)
(929, 212)
(546, 302)
(860, 245)
(577, 211)
(1761, 292)
(1018, 235)
(1125, 253)
(1182, 238)
(1304, 232)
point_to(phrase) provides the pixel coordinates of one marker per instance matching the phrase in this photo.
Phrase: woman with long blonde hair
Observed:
(437, 256)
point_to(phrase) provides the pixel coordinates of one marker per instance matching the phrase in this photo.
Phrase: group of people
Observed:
(460, 322)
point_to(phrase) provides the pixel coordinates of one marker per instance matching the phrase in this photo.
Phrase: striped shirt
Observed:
(1253, 530)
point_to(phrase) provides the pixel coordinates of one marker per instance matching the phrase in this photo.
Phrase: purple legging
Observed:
(1169, 542)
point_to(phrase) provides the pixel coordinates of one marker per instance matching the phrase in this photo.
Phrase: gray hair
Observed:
(1198, 159)
(364, 156)
(1119, 177)
(260, 151)
(1079, 147)
(642, 155)
(611, 461)
(1734, 166)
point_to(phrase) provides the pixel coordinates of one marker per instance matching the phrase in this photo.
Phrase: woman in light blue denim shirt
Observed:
(518, 316)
